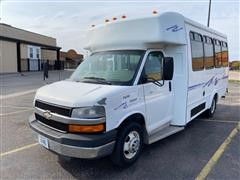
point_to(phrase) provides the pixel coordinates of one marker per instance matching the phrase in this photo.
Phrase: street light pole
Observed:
(209, 12)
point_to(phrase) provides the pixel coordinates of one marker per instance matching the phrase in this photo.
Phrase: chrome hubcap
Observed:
(131, 144)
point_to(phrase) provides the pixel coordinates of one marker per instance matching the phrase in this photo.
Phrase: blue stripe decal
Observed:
(194, 86)
(213, 80)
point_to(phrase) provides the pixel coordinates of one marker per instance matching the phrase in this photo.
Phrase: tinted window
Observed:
(218, 54)
(208, 53)
(224, 54)
(153, 66)
(197, 51)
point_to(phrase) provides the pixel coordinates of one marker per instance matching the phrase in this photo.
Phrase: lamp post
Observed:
(209, 12)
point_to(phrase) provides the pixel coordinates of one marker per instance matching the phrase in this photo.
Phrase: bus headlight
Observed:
(89, 112)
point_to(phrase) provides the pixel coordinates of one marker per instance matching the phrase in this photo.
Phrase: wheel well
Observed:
(138, 118)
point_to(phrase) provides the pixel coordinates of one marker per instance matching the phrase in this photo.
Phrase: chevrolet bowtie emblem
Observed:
(47, 114)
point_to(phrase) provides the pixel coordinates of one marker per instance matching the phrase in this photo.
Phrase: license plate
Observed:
(43, 141)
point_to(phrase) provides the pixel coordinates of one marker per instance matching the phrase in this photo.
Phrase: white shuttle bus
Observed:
(145, 79)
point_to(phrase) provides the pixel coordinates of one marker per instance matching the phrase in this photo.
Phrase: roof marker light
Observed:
(114, 19)
(123, 16)
(154, 12)
(107, 20)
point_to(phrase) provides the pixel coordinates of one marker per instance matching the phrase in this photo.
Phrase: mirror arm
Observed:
(157, 83)
(161, 84)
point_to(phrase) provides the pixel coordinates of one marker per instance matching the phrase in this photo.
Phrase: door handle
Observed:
(170, 86)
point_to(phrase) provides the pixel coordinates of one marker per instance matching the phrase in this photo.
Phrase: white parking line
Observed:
(16, 107)
(18, 149)
(17, 94)
(221, 121)
(217, 155)
(15, 112)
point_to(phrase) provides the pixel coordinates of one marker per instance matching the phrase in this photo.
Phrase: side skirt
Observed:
(163, 133)
(198, 109)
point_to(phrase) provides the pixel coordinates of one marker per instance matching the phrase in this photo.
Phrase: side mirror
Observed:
(168, 68)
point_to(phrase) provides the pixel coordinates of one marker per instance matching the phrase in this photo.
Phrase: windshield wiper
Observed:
(99, 80)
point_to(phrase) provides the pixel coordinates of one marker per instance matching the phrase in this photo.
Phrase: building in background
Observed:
(22, 50)
(71, 59)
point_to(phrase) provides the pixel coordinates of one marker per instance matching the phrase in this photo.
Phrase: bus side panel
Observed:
(203, 84)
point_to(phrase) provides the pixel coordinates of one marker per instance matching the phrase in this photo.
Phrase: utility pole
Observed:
(209, 12)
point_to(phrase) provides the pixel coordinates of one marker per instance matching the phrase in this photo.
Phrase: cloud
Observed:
(67, 22)
(230, 27)
(58, 15)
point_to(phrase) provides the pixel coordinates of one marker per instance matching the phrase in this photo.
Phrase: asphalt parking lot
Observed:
(205, 144)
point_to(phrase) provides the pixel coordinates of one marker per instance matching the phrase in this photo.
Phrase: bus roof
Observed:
(152, 31)
(203, 27)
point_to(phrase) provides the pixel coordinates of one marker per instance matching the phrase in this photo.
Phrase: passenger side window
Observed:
(197, 51)
(153, 66)
(218, 53)
(224, 54)
(208, 53)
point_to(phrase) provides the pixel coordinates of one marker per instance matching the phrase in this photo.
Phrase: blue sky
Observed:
(68, 20)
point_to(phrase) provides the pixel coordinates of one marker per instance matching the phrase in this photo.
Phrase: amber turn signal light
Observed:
(154, 12)
(75, 128)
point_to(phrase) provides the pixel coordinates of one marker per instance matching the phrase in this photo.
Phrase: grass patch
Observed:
(233, 81)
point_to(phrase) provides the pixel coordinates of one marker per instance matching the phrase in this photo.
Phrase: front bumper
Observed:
(87, 146)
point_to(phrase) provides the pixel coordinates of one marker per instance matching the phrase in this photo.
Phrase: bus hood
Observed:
(76, 94)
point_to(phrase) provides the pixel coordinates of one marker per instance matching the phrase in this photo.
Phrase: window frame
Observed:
(205, 41)
(224, 42)
(220, 44)
(202, 41)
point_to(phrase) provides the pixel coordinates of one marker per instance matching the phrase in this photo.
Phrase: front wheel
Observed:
(128, 145)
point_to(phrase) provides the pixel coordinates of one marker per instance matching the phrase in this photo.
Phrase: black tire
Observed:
(210, 112)
(119, 156)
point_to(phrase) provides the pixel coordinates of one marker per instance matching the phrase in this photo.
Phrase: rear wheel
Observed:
(128, 145)
(210, 112)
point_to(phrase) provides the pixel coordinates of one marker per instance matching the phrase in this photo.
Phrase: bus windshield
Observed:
(109, 67)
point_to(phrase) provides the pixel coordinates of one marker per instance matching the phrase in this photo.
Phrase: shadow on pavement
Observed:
(180, 156)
